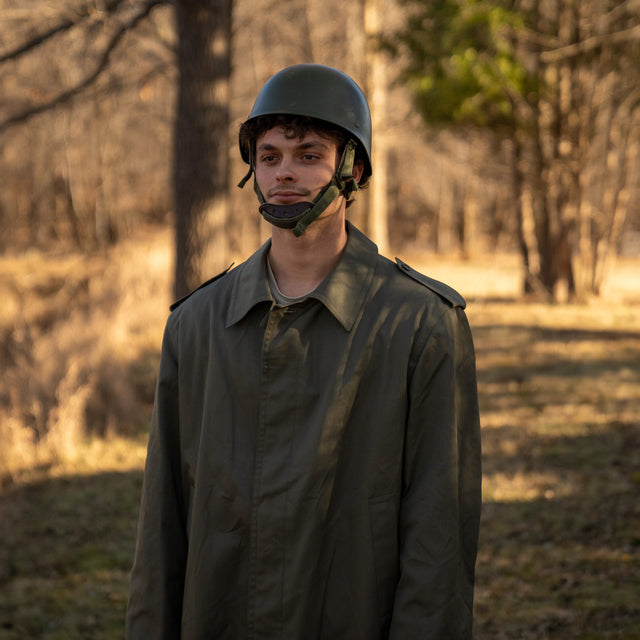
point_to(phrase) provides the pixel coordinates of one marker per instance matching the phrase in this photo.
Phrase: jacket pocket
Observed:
(383, 513)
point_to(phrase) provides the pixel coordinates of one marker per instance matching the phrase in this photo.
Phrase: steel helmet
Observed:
(325, 94)
(319, 92)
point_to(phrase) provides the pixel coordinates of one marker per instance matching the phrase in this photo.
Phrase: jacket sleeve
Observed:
(441, 499)
(157, 578)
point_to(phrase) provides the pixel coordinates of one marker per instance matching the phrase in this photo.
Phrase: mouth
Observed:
(285, 196)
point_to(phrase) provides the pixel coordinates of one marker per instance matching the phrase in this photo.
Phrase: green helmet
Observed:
(319, 92)
(328, 95)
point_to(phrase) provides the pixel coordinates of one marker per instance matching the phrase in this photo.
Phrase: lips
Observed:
(286, 196)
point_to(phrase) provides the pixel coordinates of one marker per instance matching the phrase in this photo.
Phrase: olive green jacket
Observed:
(313, 471)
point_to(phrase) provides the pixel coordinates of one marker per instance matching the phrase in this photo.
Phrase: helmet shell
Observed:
(319, 92)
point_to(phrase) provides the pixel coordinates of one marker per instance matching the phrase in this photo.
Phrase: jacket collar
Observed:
(342, 291)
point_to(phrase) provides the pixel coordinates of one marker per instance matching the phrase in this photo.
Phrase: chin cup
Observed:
(285, 216)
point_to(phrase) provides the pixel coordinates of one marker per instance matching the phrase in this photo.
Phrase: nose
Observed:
(285, 172)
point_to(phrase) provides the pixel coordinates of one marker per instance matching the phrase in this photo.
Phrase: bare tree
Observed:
(100, 65)
(86, 88)
(584, 153)
(201, 144)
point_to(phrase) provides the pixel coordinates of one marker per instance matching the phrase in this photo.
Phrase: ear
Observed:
(358, 170)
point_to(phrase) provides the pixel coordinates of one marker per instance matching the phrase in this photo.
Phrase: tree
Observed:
(85, 88)
(557, 79)
(81, 58)
(377, 88)
(201, 146)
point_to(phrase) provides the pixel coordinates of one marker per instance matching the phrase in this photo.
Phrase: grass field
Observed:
(560, 401)
(560, 396)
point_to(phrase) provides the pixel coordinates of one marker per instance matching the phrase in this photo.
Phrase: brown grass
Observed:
(79, 343)
(560, 399)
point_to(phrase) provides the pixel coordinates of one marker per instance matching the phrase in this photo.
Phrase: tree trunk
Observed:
(378, 225)
(201, 146)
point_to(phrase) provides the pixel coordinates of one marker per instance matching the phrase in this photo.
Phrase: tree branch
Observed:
(68, 95)
(67, 23)
(626, 8)
(39, 39)
(588, 45)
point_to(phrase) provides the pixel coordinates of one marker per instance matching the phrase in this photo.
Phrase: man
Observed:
(314, 458)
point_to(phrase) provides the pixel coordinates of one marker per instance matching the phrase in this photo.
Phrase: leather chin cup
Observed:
(285, 216)
(302, 214)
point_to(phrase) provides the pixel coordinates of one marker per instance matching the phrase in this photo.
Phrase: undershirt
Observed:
(278, 296)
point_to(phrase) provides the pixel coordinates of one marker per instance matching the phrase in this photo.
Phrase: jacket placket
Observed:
(278, 399)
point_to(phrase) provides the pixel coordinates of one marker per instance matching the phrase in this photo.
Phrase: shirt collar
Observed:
(342, 291)
(251, 285)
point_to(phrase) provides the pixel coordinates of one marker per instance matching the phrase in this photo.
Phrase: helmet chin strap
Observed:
(299, 215)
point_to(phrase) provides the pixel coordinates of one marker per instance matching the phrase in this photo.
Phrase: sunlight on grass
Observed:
(560, 398)
(81, 337)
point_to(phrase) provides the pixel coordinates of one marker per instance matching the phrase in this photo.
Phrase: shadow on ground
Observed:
(67, 548)
(560, 540)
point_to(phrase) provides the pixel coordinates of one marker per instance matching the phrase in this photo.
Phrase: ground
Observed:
(559, 391)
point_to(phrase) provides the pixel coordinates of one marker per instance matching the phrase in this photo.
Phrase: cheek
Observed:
(262, 176)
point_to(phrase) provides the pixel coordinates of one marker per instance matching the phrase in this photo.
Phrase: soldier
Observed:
(313, 469)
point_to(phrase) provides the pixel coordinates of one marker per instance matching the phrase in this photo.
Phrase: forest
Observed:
(505, 163)
(515, 128)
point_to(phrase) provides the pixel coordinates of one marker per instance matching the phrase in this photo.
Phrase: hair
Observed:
(295, 127)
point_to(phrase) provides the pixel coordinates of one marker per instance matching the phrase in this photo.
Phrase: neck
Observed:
(301, 264)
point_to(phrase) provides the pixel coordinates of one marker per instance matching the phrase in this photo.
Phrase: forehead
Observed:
(280, 136)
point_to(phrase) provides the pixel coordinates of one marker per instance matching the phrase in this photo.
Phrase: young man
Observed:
(314, 457)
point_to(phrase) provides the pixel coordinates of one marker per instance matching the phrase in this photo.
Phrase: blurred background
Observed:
(506, 138)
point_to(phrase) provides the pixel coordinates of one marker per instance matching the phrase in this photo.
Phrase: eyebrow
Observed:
(266, 146)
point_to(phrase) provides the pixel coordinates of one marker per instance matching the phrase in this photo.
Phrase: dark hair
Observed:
(295, 127)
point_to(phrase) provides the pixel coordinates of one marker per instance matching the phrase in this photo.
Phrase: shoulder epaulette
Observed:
(443, 290)
(177, 303)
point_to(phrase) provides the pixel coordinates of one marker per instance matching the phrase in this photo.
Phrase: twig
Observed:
(590, 44)
(82, 14)
(103, 63)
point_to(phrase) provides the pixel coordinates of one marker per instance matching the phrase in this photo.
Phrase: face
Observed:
(290, 170)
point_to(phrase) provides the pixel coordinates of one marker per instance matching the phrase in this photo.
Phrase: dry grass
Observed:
(79, 340)
(560, 399)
